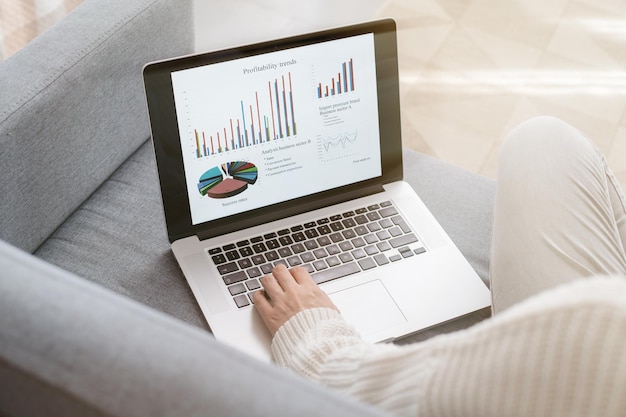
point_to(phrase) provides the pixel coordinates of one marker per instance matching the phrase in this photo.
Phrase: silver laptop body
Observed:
(290, 152)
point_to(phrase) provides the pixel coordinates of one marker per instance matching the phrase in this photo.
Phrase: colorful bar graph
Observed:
(257, 121)
(343, 83)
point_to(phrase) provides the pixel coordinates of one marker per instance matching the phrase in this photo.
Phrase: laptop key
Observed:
(381, 259)
(258, 259)
(336, 226)
(419, 251)
(395, 231)
(346, 246)
(242, 301)
(333, 249)
(272, 244)
(244, 263)
(294, 261)
(324, 240)
(259, 248)
(373, 216)
(333, 261)
(383, 246)
(253, 284)
(307, 257)
(227, 268)
(246, 251)
(311, 244)
(336, 272)
(298, 237)
(218, 259)
(388, 211)
(284, 252)
(320, 265)
(232, 255)
(235, 277)
(399, 221)
(367, 263)
(298, 248)
(361, 219)
(254, 272)
(348, 223)
(237, 289)
(346, 257)
(403, 240)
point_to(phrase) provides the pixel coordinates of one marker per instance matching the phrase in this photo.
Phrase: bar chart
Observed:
(342, 83)
(267, 115)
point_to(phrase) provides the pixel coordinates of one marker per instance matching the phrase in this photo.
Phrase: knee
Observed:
(539, 135)
(542, 141)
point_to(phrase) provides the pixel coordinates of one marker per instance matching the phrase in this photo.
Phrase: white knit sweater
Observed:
(561, 353)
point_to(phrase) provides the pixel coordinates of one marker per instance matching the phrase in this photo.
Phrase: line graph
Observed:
(341, 140)
(338, 146)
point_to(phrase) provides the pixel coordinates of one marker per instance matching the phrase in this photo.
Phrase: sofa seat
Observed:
(117, 237)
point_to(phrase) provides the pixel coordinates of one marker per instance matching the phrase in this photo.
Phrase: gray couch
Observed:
(95, 315)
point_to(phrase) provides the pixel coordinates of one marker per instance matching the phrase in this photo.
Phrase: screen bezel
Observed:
(167, 146)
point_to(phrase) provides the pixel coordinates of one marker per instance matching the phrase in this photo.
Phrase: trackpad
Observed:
(368, 307)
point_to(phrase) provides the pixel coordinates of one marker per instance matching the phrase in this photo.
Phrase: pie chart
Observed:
(228, 180)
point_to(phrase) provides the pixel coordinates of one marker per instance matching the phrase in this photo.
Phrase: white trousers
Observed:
(560, 214)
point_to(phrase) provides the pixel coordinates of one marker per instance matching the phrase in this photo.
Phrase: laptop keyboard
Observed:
(329, 248)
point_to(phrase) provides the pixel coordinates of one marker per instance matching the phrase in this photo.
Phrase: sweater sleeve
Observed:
(560, 353)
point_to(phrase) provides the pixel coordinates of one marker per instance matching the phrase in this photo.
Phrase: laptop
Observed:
(289, 151)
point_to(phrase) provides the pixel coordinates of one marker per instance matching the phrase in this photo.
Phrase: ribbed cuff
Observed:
(290, 336)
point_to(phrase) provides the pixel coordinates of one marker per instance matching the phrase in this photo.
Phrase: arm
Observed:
(312, 338)
(560, 353)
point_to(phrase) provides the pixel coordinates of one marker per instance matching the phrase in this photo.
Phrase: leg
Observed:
(559, 214)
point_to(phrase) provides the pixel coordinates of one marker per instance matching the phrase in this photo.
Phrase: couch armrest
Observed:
(69, 347)
(72, 107)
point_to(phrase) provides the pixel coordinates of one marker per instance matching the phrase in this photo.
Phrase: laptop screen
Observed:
(252, 134)
(260, 130)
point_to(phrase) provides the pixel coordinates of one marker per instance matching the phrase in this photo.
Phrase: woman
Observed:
(556, 344)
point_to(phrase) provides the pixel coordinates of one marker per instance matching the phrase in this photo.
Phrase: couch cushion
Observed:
(71, 348)
(117, 238)
(461, 201)
(72, 107)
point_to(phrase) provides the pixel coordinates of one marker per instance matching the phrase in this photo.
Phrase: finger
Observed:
(265, 310)
(261, 302)
(302, 276)
(271, 285)
(283, 276)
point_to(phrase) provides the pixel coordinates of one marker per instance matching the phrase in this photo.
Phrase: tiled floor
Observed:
(473, 69)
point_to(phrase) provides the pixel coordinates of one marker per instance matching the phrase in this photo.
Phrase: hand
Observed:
(289, 292)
